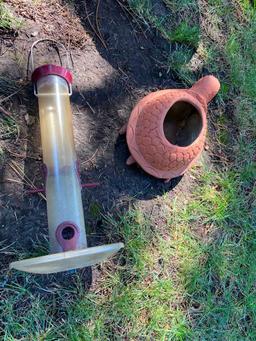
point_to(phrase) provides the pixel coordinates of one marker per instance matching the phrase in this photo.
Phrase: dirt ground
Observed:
(116, 63)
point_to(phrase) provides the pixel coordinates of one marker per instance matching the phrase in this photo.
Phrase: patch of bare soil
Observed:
(52, 19)
(113, 69)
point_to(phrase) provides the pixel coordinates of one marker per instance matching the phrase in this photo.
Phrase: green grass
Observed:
(7, 20)
(180, 31)
(8, 128)
(194, 277)
(185, 34)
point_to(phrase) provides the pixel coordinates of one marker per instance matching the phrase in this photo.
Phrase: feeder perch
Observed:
(166, 130)
(67, 235)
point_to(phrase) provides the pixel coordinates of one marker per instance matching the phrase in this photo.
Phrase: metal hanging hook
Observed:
(70, 63)
(69, 60)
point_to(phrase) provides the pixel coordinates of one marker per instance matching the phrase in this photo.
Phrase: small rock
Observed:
(122, 113)
(30, 120)
(34, 34)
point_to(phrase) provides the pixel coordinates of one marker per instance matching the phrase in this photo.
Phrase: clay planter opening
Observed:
(182, 124)
(166, 130)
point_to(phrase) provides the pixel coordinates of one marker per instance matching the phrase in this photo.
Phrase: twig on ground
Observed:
(11, 95)
(91, 158)
(20, 173)
(12, 181)
(97, 24)
(91, 107)
(6, 112)
(90, 185)
(92, 27)
(133, 15)
(22, 156)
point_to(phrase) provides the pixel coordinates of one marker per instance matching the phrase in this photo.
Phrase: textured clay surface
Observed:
(145, 136)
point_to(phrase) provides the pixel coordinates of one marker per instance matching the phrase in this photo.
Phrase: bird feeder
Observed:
(67, 235)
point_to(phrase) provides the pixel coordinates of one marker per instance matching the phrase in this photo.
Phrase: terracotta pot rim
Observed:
(195, 103)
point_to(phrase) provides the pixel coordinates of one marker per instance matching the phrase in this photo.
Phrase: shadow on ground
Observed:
(108, 82)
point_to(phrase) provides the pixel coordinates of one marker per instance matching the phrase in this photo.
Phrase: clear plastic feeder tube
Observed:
(63, 190)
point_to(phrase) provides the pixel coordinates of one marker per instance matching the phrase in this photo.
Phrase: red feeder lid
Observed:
(51, 69)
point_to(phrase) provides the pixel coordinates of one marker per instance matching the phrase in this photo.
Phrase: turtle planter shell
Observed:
(166, 130)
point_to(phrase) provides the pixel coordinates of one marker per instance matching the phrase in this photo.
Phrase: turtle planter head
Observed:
(166, 130)
(67, 236)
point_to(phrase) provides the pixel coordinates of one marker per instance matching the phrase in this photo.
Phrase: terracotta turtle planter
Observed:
(166, 130)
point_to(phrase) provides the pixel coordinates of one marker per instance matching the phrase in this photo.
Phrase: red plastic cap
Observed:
(51, 69)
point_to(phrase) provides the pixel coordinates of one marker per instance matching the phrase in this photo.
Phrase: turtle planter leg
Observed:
(130, 161)
(122, 131)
